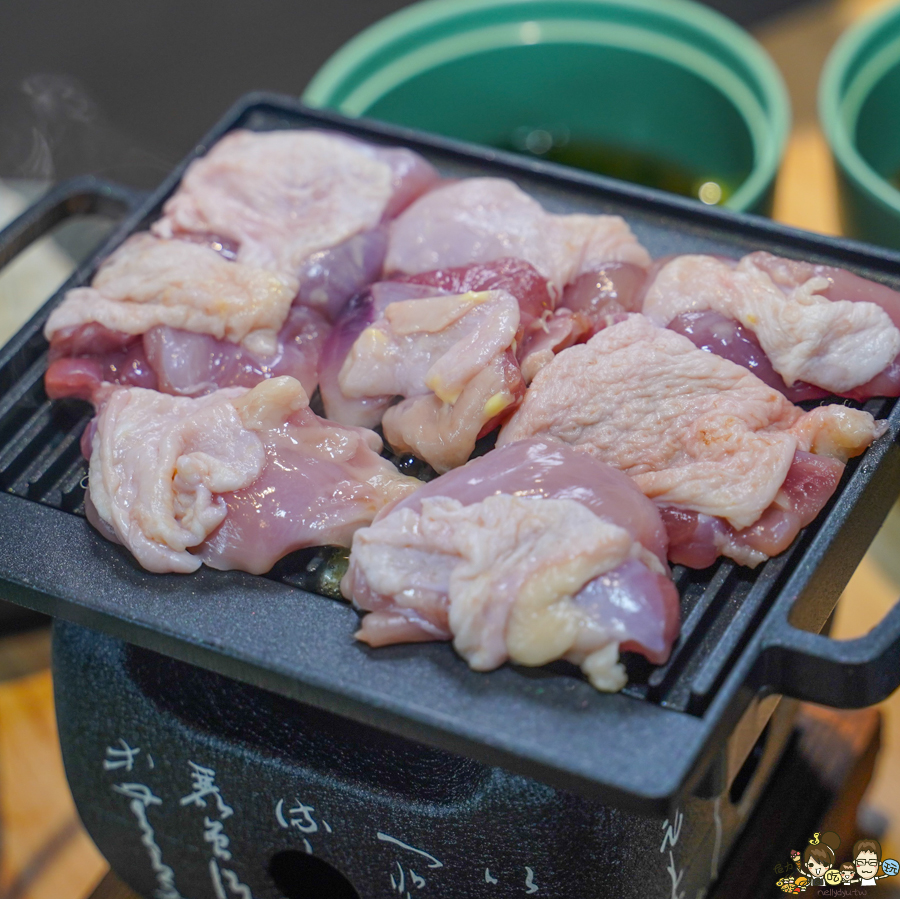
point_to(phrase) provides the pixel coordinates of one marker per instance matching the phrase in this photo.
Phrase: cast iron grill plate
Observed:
(639, 748)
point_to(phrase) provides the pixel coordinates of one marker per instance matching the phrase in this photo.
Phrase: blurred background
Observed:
(124, 90)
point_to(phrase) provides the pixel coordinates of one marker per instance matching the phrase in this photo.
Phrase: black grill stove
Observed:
(224, 736)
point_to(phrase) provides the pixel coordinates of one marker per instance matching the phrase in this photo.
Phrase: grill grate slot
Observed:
(700, 603)
(40, 480)
(20, 401)
(746, 605)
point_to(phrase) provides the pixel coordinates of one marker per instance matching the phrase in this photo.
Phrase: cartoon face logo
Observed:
(866, 864)
(833, 877)
(817, 869)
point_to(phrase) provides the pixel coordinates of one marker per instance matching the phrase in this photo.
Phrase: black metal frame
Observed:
(741, 637)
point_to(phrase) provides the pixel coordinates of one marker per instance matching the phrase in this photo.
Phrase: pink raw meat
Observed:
(805, 329)
(696, 540)
(282, 196)
(540, 329)
(532, 552)
(695, 431)
(485, 219)
(451, 359)
(181, 362)
(235, 479)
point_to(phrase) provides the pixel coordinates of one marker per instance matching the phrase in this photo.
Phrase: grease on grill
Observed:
(317, 570)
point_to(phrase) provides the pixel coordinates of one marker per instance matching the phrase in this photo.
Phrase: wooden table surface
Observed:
(44, 852)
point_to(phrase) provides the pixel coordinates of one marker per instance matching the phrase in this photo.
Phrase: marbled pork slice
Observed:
(451, 359)
(485, 219)
(814, 325)
(695, 431)
(282, 196)
(532, 553)
(235, 479)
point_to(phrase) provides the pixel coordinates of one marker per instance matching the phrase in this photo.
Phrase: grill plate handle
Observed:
(845, 674)
(84, 195)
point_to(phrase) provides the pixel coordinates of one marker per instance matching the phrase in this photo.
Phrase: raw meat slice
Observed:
(515, 276)
(807, 335)
(451, 357)
(193, 364)
(235, 479)
(282, 196)
(719, 334)
(330, 278)
(693, 430)
(596, 300)
(543, 331)
(696, 539)
(149, 282)
(357, 315)
(531, 553)
(484, 219)
(604, 295)
(540, 330)
(180, 362)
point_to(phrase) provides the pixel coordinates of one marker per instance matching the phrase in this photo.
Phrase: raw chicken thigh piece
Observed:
(540, 329)
(531, 553)
(606, 294)
(330, 278)
(282, 196)
(176, 316)
(543, 330)
(359, 314)
(451, 357)
(695, 431)
(235, 479)
(808, 333)
(595, 301)
(484, 219)
(148, 282)
(181, 362)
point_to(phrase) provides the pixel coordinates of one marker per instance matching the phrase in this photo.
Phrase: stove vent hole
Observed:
(301, 876)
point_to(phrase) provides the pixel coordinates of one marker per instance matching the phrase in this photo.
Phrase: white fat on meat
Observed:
(235, 479)
(834, 344)
(150, 282)
(451, 358)
(508, 568)
(532, 553)
(158, 466)
(284, 195)
(693, 430)
(484, 219)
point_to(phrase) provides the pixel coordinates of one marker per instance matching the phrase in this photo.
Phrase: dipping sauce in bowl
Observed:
(666, 93)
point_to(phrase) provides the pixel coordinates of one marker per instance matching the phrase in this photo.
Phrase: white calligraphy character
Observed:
(204, 784)
(120, 758)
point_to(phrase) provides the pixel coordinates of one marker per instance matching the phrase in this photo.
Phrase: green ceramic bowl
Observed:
(859, 102)
(665, 92)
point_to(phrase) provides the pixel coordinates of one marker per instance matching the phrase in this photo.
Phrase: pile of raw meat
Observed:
(643, 412)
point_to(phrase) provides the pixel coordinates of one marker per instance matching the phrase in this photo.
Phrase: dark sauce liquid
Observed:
(616, 162)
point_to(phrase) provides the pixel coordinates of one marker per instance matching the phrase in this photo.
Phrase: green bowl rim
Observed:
(834, 111)
(768, 148)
